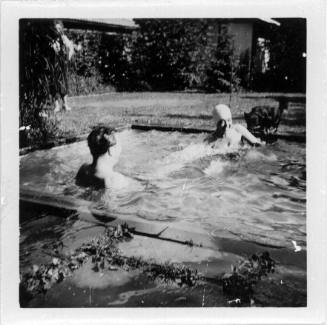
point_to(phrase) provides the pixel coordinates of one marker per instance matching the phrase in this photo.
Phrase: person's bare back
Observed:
(100, 141)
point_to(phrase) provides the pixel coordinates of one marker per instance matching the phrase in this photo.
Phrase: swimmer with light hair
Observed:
(233, 134)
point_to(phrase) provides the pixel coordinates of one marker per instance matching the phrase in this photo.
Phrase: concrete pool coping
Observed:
(296, 137)
(174, 128)
(61, 142)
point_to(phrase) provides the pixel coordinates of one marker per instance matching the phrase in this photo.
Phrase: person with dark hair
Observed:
(105, 152)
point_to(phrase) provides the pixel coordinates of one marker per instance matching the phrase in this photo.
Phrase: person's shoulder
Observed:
(83, 175)
(86, 177)
(85, 169)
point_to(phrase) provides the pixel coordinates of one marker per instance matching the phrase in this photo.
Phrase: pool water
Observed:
(252, 194)
(46, 233)
(247, 197)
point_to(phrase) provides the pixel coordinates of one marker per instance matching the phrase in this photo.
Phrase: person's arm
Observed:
(247, 135)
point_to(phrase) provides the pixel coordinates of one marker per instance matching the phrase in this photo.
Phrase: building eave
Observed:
(100, 25)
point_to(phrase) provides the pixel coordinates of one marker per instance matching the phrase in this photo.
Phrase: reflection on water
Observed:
(257, 194)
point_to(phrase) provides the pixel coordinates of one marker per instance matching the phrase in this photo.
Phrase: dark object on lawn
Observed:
(265, 118)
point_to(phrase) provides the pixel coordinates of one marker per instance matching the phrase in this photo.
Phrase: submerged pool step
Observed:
(89, 212)
(186, 235)
(48, 199)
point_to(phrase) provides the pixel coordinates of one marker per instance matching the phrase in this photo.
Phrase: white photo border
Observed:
(315, 13)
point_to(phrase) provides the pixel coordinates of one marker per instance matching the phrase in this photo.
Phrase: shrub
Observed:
(83, 75)
(40, 72)
(114, 62)
(223, 73)
(177, 54)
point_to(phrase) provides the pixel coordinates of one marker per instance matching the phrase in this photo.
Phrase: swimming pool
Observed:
(252, 194)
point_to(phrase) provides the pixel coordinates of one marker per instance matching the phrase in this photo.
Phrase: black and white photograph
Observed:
(162, 161)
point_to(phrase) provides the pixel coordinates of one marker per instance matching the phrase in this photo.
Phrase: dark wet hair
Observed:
(96, 141)
(221, 128)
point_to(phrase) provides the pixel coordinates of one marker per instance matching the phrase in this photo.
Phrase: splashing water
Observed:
(215, 167)
(257, 194)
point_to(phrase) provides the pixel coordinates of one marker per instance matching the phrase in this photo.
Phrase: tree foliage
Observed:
(222, 74)
(177, 54)
(41, 70)
(166, 55)
(115, 62)
(85, 75)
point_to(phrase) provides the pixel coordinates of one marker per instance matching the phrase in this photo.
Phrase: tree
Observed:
(41, 59)
(223, 73)
(166, 53)
(115, 61)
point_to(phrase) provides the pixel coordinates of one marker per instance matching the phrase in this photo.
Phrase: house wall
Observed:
(242, 34)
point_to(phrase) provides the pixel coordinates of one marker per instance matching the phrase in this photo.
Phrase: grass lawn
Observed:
(182, 109)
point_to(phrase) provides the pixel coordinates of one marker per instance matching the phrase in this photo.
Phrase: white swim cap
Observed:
(221, 112)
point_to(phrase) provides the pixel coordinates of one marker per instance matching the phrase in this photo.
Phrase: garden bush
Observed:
(40, 72)
(162, 55)
(176, 54)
